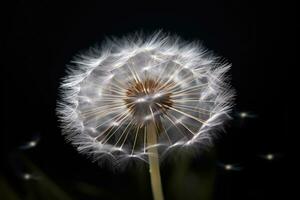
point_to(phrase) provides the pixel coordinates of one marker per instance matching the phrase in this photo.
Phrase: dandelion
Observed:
(138, 97)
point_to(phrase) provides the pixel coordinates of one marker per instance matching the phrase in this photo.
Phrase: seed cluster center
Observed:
(147, 99)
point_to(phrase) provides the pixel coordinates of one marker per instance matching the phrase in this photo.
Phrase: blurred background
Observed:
(249, 161)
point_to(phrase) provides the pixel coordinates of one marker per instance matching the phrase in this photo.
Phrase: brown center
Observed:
(147, 99)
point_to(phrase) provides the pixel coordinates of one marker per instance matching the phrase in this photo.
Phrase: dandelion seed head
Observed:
(110, 94)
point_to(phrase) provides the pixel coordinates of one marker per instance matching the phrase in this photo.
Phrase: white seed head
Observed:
(110, 94)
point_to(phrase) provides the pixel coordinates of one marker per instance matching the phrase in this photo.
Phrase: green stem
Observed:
(154, 162)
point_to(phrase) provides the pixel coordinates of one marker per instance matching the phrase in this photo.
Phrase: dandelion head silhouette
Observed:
(111, 93)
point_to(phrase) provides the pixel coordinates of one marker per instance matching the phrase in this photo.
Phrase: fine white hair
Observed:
(95, 106)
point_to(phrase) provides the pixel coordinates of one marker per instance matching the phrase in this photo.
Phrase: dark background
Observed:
(42, 37)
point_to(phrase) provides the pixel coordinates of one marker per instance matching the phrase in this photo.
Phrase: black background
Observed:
(42, 37)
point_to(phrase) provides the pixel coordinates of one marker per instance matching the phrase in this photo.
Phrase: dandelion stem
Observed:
(154, 162)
